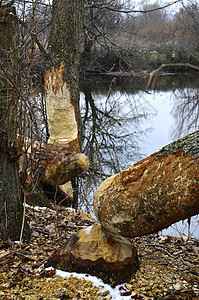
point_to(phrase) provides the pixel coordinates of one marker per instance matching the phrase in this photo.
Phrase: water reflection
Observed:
(112, 128)
(124, 122)
(186, 111)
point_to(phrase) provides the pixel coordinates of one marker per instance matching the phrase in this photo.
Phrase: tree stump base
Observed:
(92, 251)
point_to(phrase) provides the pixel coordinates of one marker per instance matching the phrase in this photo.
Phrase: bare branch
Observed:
(131, 10)
(41, 48)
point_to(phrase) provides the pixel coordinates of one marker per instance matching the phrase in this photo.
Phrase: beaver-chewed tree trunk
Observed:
(152, 194)
(145, 198)
(60, 161)
(63, 123)
(62, 79)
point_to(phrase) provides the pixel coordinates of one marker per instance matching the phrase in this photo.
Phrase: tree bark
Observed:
(11, 208)
(65, 42)
(62, 75)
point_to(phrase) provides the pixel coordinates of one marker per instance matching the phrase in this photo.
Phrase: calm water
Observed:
(124, 122)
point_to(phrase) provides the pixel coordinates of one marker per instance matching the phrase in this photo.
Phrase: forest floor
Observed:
(169, 266)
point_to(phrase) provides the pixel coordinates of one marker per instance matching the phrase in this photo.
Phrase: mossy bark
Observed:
(189, 144)
(11, 208)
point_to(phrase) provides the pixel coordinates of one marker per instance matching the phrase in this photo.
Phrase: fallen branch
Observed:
(153, 79)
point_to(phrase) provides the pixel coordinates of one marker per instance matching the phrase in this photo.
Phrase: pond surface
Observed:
(124, 122)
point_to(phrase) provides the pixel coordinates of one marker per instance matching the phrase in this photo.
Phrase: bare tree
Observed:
(11, 104)
(187, 24)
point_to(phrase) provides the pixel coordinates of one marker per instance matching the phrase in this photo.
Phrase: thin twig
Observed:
(106, 6)
(169, 254)
(7, 76)
(41, 48)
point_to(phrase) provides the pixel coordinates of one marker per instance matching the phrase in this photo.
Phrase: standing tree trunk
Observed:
(62, 77)
(65, 42)
(11, 209)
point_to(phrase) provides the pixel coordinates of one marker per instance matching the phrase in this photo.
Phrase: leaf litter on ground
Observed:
(169, 266)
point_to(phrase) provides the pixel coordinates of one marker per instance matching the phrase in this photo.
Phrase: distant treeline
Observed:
(123, 42)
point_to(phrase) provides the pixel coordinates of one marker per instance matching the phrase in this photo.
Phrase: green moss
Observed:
(37, 198)
(189, 143)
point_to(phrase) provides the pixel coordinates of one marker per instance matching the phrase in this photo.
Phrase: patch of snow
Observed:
(97, 282)
(39, 208)
(114, 292)
(63, 140)
(44, 208)
(70, 209)
(87, 230)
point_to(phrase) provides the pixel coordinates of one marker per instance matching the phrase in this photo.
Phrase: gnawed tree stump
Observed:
(145, 198)
(92, 251)
(57, 164)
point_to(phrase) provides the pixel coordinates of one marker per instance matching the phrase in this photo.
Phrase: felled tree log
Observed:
(153, 193)
(145, 198)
